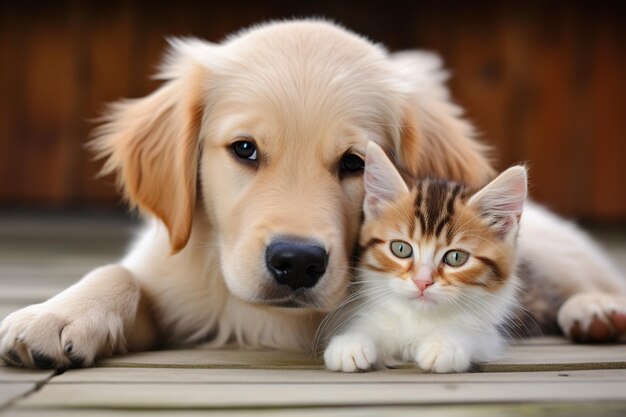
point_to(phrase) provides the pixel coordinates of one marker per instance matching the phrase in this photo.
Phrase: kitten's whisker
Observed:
(487, 308)
(349, 300)
(479, 306)
(474, 323)
(372, 301)
(519, 308)
(468, 304)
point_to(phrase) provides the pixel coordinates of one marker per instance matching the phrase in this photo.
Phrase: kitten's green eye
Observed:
(455, 257)
(401, 249)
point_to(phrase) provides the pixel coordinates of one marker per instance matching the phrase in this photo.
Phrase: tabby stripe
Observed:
(418, 197)
(386, 262)
(449, 209)
(455, 192)
(435, 203)
(490, 263)
(375, 268)
(372, 242)
(441, 224)
(437, 196)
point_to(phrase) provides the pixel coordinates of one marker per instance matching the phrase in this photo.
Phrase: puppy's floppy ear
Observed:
(152, 143)
(383, 183)
(435, 139)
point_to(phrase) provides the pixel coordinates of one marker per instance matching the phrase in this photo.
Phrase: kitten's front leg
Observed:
(442, 354)
(351, 352)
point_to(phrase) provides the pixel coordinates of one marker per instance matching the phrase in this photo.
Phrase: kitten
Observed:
(437, 272)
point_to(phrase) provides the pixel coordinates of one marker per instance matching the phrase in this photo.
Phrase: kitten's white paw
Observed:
(593, 317)
(441, 356)
(350, 353)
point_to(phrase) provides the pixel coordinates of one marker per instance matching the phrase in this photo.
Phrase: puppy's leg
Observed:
(594, 317)
(570, 267)
(102, 314)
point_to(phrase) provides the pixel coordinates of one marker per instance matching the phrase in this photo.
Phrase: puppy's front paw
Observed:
(73, 329)
(593, 317)
(350, 353)
(442, 356)
(41, 336)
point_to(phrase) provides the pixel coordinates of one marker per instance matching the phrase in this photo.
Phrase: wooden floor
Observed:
(40, 256)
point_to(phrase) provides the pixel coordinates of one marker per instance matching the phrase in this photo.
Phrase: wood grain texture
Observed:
(313, 376)
(537, 357)
(571, 409)
(11, 391)
(15, 375)
(543, 82)
(195, 396)
(606, 147)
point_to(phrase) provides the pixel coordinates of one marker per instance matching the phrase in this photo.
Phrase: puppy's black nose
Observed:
(296, 262)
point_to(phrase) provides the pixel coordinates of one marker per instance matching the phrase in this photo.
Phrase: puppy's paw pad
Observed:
(350, 353)
(596, 318)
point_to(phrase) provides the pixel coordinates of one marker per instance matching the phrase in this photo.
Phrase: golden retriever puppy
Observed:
(247, 163)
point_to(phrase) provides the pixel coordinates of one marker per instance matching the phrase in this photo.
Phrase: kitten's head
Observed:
(439, 244)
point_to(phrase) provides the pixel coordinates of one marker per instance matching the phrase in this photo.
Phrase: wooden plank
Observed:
(549, 132)
(605, 195)
(46, 135)
(10, 64)
(516, 69)
(542, 341)
(110, 55)
(10, 294)
(483, 74)
(17, 375)
(189, 396)
(10, 391)
(209, 358)
(557, 357)
(517, 358)
(313, 376)
(68, 226)
(604, 409)
(40, 257)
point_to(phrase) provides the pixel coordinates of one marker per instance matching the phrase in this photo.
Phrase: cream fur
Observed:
(307, 92)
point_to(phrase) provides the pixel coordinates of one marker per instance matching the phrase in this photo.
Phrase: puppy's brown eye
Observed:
(245, 149)
(351, 163)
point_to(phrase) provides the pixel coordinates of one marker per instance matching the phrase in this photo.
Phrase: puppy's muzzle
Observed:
(296, 262)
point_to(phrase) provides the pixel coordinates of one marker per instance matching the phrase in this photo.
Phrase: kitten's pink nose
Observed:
(422, 285)
(424, 277)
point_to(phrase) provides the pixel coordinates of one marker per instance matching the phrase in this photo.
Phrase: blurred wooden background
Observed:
(545, 82)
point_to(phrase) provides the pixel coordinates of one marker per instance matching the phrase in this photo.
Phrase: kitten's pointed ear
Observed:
(503, 199)
(383, 183)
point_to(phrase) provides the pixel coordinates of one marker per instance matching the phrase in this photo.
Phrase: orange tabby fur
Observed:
(399, 218)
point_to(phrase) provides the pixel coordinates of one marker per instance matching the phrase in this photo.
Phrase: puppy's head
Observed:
(267, 133)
